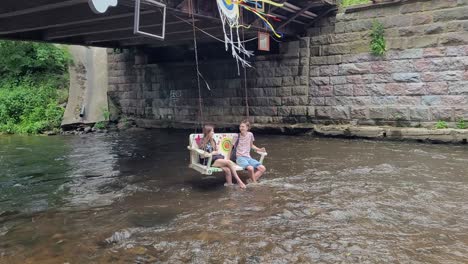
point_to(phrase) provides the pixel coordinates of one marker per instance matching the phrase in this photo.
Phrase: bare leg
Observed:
(260, 170)
(250, 171)
(227, 174)
(234, 172)
(227, 164)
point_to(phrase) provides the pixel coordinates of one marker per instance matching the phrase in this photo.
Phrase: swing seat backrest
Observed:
(224, 143)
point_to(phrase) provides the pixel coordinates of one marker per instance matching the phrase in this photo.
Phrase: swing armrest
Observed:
(200, 152)
(262, 155)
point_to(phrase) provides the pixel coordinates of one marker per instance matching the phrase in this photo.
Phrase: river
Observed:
(129, 198)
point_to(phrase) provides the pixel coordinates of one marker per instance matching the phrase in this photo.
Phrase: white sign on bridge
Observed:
(101, 6)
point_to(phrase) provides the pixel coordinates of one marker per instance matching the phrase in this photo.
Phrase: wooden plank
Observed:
(171, 33)
(8, 6)
(182, 41)
(124, 24)
(182, 38)
(296, 15)
(46, 7)
(81, 14)
(321, 15)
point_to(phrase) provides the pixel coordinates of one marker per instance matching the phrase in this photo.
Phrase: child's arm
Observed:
(257, 149)
(199, 149)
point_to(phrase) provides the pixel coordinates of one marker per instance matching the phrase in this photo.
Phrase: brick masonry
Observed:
(326, 77)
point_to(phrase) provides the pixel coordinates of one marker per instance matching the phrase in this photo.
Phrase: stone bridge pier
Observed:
(324, 77)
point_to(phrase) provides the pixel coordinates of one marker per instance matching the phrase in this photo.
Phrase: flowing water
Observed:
(130, 198)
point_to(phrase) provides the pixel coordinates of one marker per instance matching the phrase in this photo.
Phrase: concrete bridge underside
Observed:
(73, 21)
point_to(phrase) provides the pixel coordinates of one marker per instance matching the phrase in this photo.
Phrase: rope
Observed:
(245, 76)
(208, 34)
(200, 117)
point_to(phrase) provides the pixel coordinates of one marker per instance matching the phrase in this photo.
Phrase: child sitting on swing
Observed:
(209, 145)
(243, 159)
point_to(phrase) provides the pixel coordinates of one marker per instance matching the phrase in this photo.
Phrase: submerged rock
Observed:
(341, 216)
(3, 230)
(118, 237)
(50, 133)
(287, 214)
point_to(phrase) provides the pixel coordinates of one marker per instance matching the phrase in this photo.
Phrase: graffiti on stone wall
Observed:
(174, 96)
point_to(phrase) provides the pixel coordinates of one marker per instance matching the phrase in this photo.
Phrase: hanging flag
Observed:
(229, 13)
(263, 41)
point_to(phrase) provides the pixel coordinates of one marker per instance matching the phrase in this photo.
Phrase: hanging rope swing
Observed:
(226, 140)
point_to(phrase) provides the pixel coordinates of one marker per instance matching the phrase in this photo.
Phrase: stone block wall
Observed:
(422, 77)
(326, 77)
(277, 88)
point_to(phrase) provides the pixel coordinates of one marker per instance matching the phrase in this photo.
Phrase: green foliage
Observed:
(100, 125)
(346, 3)
(118, 50)
(106, 116)
(18, 59)
(62, 95)
(105, 113)
(33, 82)
(441, 124)
(377, 44)
(461, 124)
(27, 109)
(124, 123)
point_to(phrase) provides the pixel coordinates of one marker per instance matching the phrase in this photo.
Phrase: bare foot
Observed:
(250, 181)
(242, 185)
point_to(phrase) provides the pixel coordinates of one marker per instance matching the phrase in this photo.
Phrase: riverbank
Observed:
(422, 134)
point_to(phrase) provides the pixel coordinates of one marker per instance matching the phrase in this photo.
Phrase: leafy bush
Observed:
(25, 109)
(441, 124)
(100, 125)
(18, 59)
(33, 81)
(377, 45)
(461, 124)
(105, 113)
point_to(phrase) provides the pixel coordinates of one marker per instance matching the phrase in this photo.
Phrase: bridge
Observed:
(74, 22)
(322, 72)
(79, 22)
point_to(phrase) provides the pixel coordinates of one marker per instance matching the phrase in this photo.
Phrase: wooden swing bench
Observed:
(225, 143)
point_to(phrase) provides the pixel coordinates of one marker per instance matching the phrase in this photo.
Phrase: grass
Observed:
(346, 3)
(378, 44)
(100, 125)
